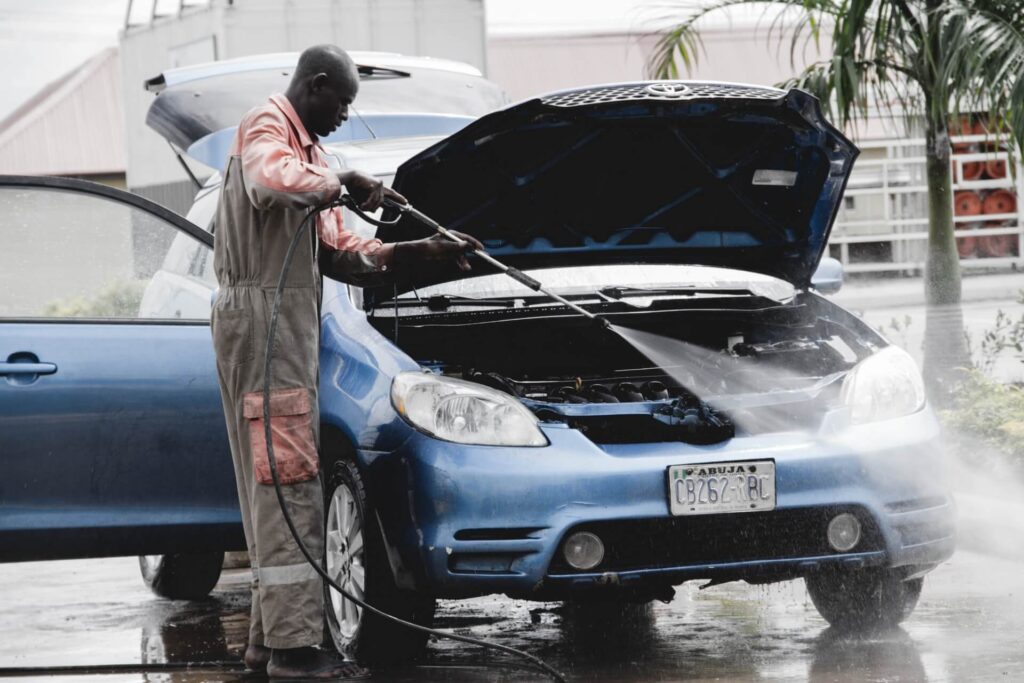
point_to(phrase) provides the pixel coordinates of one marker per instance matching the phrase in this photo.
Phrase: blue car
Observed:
(479, 437)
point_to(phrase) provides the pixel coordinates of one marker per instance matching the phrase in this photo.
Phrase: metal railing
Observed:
(158, 9)
(883, 223)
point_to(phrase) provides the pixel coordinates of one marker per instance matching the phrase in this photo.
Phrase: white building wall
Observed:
(452, 29)
(537, 46)
(530, 65)
(145, 52)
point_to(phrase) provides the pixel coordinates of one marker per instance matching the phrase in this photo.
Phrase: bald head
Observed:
(323, 86)
(326, 59)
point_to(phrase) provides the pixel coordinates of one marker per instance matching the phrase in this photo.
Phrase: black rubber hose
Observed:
(114, 669)
(267, 370)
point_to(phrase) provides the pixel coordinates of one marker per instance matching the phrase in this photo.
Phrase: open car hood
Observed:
(197, 108)
(660, 172)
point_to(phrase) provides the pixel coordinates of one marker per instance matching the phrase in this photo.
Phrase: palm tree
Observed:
(930, 58)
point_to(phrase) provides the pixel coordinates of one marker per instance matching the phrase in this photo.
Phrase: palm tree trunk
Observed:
(945, 347)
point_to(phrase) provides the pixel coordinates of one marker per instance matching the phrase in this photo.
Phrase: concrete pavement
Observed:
(865, 293)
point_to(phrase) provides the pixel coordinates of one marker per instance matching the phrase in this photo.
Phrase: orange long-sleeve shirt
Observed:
(283, 165)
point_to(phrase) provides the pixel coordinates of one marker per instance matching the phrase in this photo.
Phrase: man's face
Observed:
(330, 101)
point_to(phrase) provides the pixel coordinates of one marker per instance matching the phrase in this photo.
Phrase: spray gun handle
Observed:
(522, 277)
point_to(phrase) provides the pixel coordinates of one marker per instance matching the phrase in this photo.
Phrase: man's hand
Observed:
(368, 190)
(439, 248)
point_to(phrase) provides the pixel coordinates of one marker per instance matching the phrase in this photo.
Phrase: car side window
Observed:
(74, 255)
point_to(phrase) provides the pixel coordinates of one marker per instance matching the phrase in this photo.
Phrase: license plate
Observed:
(721, 487)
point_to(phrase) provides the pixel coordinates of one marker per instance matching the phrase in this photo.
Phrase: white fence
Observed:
(883, 223)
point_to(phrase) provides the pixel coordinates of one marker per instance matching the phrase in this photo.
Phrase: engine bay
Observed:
(760, 365)
(743, 367)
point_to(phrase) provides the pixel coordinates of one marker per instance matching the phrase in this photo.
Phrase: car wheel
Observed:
(181, 577)
(356, 559)
(863, 599)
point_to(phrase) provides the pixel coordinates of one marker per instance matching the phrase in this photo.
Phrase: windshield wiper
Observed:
(442, 302)
(616, 292)
(366, 71)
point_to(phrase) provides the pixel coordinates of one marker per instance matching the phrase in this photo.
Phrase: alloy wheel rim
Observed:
(345, 558)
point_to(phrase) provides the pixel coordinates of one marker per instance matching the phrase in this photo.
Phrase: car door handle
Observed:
(27, 368)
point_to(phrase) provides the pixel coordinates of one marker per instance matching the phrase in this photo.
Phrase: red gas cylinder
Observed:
(966, 204)
(999, 201)
(961, 126)
(994, 246)
(995, 168)
(972, 170)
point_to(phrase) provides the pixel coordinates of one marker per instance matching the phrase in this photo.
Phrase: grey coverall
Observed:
(276, 172)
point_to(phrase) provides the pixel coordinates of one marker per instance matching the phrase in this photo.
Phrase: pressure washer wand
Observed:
(514, 273)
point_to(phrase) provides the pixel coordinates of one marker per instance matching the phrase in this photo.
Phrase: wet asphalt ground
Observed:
(969, 626)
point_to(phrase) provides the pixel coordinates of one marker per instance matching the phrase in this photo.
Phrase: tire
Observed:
(364, 636)
(181, 577)
(863, 600)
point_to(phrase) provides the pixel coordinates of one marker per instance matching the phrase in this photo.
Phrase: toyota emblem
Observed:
(667, 89)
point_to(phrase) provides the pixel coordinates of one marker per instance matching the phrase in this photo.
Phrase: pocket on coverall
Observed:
(291, 433)
(232, 335)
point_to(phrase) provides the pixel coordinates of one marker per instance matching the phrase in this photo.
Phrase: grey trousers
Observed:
(287, 594)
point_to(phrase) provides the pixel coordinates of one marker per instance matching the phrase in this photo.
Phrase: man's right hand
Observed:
(368, 190)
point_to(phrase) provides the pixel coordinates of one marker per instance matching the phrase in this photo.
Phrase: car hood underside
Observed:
(740, 176)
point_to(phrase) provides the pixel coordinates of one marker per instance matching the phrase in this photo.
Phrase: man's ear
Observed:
(318, 82)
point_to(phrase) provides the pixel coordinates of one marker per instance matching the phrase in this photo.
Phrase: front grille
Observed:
(717, 539)
(499, 534)
(661, 91)
(925, 532)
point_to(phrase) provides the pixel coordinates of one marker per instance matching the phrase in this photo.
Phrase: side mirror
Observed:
(828, 278)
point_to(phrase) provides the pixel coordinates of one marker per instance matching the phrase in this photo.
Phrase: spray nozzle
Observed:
(352, 204)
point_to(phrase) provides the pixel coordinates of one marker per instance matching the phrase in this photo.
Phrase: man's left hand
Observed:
(439, 248)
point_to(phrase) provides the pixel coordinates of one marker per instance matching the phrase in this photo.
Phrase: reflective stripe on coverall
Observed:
(275, 173)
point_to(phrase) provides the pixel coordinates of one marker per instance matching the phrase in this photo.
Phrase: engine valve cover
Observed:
(694, 421)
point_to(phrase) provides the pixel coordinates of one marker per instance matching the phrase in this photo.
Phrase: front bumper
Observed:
(476, 520)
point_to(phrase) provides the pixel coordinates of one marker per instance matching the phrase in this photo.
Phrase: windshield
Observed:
(429, 91)
(188, 112)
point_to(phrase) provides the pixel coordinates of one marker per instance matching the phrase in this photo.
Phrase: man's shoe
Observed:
(256, 658)
(310, 663)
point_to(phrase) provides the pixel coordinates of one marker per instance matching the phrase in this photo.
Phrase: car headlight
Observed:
(464, 412)
(883, 386)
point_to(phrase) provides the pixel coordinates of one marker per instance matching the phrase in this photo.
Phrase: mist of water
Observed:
(990, 501)
(990, 498)
(698, 369)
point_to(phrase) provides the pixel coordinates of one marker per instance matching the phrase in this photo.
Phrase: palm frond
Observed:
(984, 66)
(682, 41)
(908, 58)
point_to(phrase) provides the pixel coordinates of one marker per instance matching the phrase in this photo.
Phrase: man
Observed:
(276, 172)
